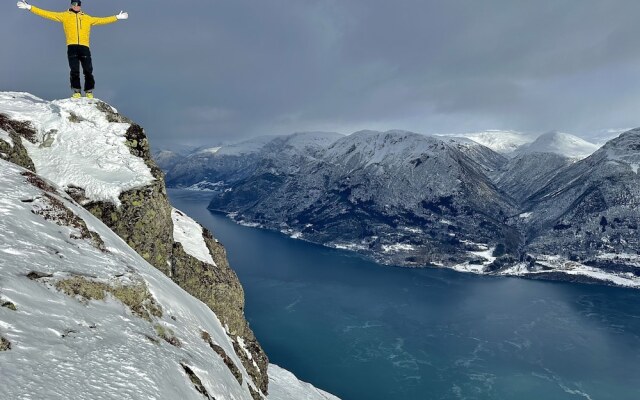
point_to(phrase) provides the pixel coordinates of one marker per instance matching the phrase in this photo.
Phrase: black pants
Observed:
(77, 55)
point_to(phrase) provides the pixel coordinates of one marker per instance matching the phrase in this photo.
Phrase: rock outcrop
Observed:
(141, 217)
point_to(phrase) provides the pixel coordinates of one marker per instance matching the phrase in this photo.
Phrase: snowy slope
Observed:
(188, 232)
(253, 145)
(65, 347)
(309, 142)
(304, 141)
(624, 149)
(76, 145)
(560, 143)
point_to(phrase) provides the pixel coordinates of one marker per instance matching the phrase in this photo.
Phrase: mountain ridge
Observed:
(408, 199)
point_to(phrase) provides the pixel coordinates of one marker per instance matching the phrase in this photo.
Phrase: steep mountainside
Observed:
(430, 194)
(166, 159)
(408, 199)
(590, 212)
(102, 160)
(527, 173)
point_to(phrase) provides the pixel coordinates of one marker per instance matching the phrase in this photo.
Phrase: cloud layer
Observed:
(204, 72)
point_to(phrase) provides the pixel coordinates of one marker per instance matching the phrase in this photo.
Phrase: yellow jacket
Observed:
(77, 26)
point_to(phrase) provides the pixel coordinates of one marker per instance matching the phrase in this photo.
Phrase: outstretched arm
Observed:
(55, 16)
(109, 20)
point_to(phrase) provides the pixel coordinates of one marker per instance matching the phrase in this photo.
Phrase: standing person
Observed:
(77, 28)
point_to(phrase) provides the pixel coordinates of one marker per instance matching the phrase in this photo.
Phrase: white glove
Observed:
(23, 5)
(122, 15)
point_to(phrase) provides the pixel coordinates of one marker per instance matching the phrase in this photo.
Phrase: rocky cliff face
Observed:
(141, 215)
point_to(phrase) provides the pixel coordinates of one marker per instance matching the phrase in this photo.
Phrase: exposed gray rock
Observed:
(15, 152)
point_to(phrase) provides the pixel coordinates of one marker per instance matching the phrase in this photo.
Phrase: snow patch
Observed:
(210, 150)
(283, 385)
(188, 232)
(398, 247)
(77, 146)
(555, 263)
(347, 246)
(4, 135)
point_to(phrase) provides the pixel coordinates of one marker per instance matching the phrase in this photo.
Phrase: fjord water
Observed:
(364, 331)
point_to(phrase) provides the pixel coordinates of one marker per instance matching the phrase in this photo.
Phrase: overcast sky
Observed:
(204, 72)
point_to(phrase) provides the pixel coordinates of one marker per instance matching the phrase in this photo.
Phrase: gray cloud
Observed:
(204, 72)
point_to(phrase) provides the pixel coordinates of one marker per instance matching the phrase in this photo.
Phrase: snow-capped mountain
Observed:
(503, 142)
(203, 169)
(378, 189)
(167, 159)
(560, 143)
(88, 314)
(593, 188)
(409, 199)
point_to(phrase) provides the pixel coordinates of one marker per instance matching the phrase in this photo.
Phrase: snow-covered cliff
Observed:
(84, 313)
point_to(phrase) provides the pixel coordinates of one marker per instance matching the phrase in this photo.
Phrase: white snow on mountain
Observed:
(246, 147)
(374, 147)
(210, 150)
(624, 149)
(560, 143)
(312, 141)
(283, 385)
(188, 232)
(305, 141)
(499, 141)
(77, 146)
(67, 347)
(561, 264)
(4, 135)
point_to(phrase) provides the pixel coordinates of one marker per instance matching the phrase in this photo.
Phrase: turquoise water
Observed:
(365, 331)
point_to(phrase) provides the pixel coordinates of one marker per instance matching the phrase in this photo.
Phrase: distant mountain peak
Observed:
(503, 142)
(560, 143)
(625, 148)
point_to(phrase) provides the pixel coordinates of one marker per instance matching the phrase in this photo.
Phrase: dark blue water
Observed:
(364, 331)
